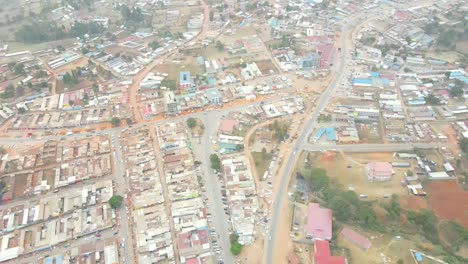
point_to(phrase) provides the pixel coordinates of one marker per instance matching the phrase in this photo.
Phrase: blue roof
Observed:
(331, 134)
(319, 134)
(184, 78)
(362, 81)
(213, 93)
(211, 80)
(228, 147)
(418, 256)
(375, 74)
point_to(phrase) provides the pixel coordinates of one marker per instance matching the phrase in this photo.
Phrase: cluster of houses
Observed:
(39, 225)
(319, 229)
(151, 221)
(189, 215)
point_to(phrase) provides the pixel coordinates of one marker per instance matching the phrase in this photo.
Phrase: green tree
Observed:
(2, 150)
(219, 45)
(236, 247)
(21, 110)
(115, 121)
(463, 144)
(95, 88)
(191, 122)
(431, 99)
(427, 221)
(239, 147)
(154, 45)
(457, 90)
(215, 162)
(19, 68)
(317, 178)
(115, 201)
(409, 173)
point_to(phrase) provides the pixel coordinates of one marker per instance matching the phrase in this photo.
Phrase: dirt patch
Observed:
(266, 67)
(20, 184)
(462, 46)
(413, 203)
(448, 201)
(49, 176)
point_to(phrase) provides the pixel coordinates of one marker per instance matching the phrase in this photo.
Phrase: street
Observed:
(202, 151)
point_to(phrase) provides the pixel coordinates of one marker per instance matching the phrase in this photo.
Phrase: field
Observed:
(448, 201)
(262, 160)
(348, 170)
(462, 46)
(450, 57)
(384, 249)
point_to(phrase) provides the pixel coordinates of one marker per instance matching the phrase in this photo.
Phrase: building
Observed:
(319, 223)
(326, 52)
(323, 254)
(184, 80)
(368, 114)
(379, 171)
(214, 96)
(170, 102)
(356, 238)
(312, 61)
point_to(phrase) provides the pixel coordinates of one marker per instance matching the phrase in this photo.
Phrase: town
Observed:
(233, 131)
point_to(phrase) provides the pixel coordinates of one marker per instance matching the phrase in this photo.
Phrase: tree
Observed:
(20, 90)
(427, 221)
(457, 90)
(115, 121)
(431, 99)
(154, 45)
(317, 178)
(236, 247)
(2, 150)
(21, 110)
(239, 147)
(9, 92)
(115, 201)
(219, 45)
(19, 68)
(409, 173)
(463, 143)
(95, 88)
(215, 162)
(191, 122)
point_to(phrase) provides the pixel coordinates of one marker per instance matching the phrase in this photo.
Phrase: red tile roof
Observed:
(376, 169)
(319, 222)
(323, 255)
(356, 238)
(192, 261)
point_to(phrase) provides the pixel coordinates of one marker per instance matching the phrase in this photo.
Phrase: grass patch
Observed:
(262, 160)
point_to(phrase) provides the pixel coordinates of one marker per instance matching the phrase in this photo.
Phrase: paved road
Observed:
(123, 213)
(219, 220)
(350, 23)
(302, 141)
(375, 147)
